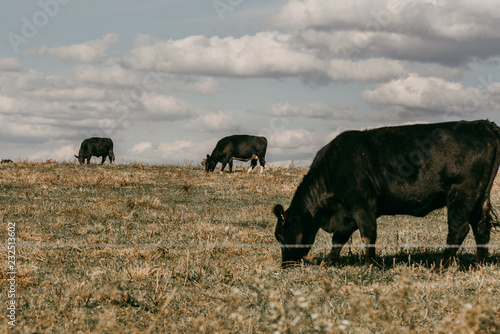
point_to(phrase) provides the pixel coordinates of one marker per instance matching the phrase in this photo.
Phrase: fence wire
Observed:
(241, 245)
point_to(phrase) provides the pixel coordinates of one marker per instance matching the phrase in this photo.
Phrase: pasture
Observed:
(169, 249)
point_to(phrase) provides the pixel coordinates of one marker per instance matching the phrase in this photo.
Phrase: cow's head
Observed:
(80, 159)
(210, 164)
(290, 230)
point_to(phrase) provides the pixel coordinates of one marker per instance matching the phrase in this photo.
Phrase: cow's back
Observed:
(408, 169)
(235, 144)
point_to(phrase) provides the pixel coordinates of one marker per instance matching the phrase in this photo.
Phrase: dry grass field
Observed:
(169, 249)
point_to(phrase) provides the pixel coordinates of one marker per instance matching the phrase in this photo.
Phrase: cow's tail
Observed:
(494, 221)
(490, 215)
(111, 154)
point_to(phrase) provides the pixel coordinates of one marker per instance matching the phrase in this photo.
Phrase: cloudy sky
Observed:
(166, 79)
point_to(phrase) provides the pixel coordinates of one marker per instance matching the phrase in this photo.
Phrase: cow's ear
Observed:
(208, 156)
(279, 213)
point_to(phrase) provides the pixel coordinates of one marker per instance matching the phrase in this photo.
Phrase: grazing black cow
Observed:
(238, 147)
(99, 147)
(413, 170)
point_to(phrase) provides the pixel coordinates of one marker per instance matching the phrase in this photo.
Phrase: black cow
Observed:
(238, 147)
(99, 147)
(413, 170)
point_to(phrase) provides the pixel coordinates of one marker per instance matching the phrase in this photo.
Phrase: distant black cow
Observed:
(98, 147)
(238, 147)
(414, 169)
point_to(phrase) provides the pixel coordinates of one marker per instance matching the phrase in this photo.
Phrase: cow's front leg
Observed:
(88, 160)
(367, 224)
(340, 236)
(223, 166)
(230, 166)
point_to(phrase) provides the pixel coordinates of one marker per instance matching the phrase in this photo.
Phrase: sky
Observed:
(167, 79)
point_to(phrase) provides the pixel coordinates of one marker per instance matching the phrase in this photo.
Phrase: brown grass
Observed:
(167, 284)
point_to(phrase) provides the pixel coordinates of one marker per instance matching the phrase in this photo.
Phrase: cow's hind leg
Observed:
(460, 211)
(253, 164)
(481, 223)
(103, 159)
(111, 156)
(262, 163)
(367, 224)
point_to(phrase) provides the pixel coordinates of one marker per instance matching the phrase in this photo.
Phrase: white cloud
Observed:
(112, 75)
(213, 122)
(141, 148)
(13, 129)
(64, 153)
(10, 105)
(10, 64)
(268, 54)
(144, 40)
(296, 144)
(89, 99)
(457, 20)
(264, 54)
(284, 109)
(88, 52)
(165, 107)
(72, 94)
(441, 31)
(292, 139)
(370, 70)
(19, 82)
(313, 110)
(176, 150)
(416, 95)
(298, 147)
